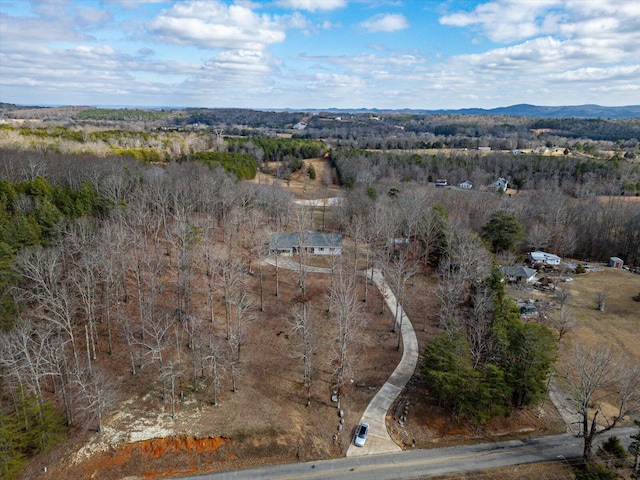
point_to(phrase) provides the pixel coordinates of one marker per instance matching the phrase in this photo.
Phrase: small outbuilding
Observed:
(615, 262)
(466, 185)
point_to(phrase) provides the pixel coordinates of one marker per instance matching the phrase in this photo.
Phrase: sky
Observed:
(320, 54)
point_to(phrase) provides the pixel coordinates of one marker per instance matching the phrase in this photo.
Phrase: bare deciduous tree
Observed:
(156, 342)
(594, 378)
(96, 394)
(49, 291)
(562, 322)
(401, 269)
(349, 322)
(563, 294)
(305, 347)
(215, 356)
(601, 298)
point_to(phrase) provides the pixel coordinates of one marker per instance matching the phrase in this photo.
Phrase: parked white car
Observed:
(361, 434)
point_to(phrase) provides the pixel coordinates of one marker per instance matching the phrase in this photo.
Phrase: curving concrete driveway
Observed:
(375, 415)
(378, 440)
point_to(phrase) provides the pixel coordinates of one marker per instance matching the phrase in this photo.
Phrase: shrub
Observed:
(612, 451)
(596, 471)
(613, 447)
(311, 171)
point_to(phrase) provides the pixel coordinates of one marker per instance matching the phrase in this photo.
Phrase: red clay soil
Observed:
(134, 459)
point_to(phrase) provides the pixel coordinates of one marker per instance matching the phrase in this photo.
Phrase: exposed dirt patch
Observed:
(180, 454)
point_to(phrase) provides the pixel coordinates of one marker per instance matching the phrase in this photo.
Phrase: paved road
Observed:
(430, 462)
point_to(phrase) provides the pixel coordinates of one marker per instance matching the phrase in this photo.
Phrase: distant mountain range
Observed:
(520, 110)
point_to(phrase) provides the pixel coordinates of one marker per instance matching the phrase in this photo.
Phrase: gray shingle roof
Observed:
(285, 241)
(518, 272)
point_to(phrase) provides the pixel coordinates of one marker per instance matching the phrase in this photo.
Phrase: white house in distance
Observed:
(544, 257)
(314, 243)
(466, 185)
(500, 184)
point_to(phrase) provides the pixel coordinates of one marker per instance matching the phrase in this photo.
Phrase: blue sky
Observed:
(272, 54)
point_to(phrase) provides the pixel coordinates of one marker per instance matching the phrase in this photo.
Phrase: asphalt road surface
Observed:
(414, 464)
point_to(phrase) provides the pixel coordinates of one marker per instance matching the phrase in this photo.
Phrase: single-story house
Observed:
(519, 274)
(500, 184)
(616, 262)
(544, 257)
(300, 125)
(315, 243)
(465, 185)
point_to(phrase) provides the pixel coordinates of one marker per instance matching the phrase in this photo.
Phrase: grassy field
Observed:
(619, 325)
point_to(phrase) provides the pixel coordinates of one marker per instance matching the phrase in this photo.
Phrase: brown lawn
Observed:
(619, 325)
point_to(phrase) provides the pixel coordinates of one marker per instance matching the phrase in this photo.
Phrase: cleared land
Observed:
(266, 420)
(618, 326)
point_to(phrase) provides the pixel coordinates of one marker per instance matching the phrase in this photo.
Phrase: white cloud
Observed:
(627, 88)
(389, 22)
(568, 44)
(337, 87)
(509, 21)
(312, 5)
(131, 4)
(392, 64)
(240, 61)
(592, 74)
(212, 24)
(87, 16)
(21, 31)
(503, 20)
(219, 52)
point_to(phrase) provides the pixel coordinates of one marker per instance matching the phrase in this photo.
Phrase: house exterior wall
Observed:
(543, 257)
(327, 250)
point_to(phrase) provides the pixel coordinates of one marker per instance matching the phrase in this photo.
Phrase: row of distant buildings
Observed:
(522, 274)
(499, 184)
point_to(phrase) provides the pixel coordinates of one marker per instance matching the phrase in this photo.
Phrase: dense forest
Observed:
(134, 234)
